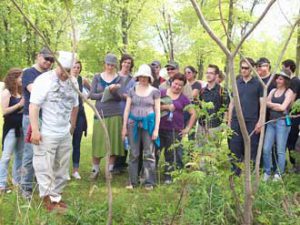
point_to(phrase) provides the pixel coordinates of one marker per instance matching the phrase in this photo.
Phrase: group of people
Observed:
(144, 113)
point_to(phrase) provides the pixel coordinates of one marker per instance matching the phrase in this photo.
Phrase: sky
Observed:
(275, 22)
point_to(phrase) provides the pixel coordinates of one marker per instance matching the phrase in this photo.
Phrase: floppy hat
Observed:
(284, 73)
(145, 71)
(111, 59)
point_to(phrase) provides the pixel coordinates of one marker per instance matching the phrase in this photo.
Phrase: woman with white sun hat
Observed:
(141, 125)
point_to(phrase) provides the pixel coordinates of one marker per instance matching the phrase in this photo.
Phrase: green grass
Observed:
(207, 202)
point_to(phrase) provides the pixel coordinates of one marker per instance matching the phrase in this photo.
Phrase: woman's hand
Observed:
(155, 134)
(184, 131)
(171, 108)
(124, 133)
(114, 87)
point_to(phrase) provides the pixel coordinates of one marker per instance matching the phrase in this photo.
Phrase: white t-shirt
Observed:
(56, 99)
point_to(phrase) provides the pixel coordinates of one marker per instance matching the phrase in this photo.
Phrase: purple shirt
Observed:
(177, 122)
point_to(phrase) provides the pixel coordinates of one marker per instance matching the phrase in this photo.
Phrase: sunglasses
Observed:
(245, 68)
(263, 65)
(170, 68)
(49, 59)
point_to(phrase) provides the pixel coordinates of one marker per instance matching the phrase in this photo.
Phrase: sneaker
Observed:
(94, 175)
(277, 177)
(68, 177)
(2, 190)
(27, 195)
(129, 187)
(168, 182)
(148, 187)
(266, 177)
(76, 175)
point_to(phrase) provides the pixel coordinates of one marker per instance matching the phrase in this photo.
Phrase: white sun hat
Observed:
(145, 71)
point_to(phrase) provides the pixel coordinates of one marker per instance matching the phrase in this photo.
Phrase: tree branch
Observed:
(208, 29)
(253, 27)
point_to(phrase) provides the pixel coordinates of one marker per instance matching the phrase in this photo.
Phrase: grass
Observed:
(88, 200)
(209, 202)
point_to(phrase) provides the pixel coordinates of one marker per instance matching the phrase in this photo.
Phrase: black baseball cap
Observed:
(46, 52)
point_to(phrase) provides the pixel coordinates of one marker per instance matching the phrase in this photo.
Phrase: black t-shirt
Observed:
(220, 98)
(196, 85)
(250, 94)
(272, 85)
(295, 86)
(29, 75)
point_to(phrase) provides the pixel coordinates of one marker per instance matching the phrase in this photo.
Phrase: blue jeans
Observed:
(12, 144)
(276, 132)
(27, 168)
(77, 140)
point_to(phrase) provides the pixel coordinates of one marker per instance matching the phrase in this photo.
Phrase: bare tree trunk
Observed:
(200, 64)
(124, 25)
(229, 36)
(7, 31)
(298, 50)
(171, 38)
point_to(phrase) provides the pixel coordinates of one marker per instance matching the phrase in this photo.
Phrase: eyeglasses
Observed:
(49, 59)
(245, 68)
(170, 68)
(210, 73)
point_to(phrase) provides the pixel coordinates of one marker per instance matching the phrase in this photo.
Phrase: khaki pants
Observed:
(51, 165)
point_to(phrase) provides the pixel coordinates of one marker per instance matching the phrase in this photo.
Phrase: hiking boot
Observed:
(58, 207)
(94, 175)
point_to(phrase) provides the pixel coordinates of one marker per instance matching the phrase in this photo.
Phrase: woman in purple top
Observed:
(172, 124)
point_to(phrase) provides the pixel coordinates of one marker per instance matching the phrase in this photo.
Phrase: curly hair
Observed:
(10, 81)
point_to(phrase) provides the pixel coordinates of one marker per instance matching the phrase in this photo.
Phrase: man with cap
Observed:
(172, 69)
(53, 94)
(156, 66)
(263, 67)
(44, 61)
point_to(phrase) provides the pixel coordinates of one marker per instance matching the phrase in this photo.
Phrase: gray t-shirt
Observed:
(111, 107)
(142, 106)
(56, 99)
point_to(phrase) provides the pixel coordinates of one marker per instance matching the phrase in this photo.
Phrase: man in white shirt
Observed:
(53, 95)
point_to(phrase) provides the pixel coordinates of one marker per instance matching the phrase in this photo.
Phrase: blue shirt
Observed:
(250, 94)
(29, 75)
